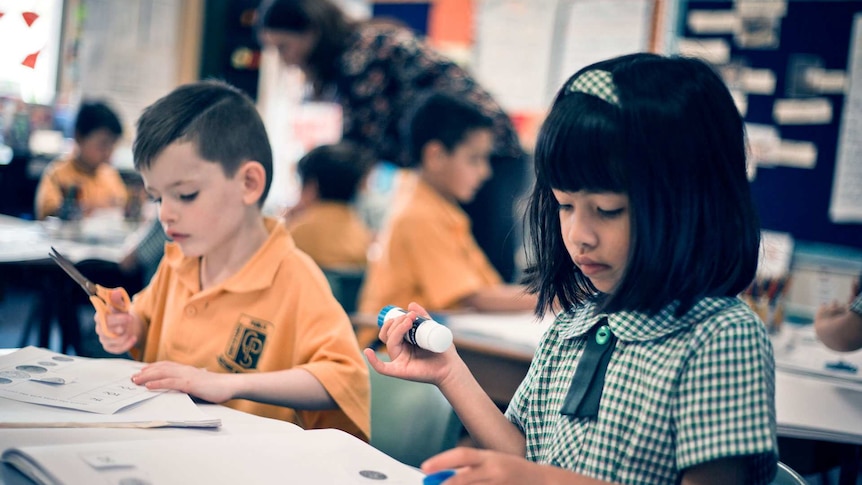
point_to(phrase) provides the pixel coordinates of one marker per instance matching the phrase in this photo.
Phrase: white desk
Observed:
(296, 451)
(24, 241)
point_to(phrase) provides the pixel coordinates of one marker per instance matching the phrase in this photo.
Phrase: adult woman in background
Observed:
(375, 70)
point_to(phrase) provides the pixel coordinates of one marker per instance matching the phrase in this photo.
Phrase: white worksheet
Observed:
(40, 376)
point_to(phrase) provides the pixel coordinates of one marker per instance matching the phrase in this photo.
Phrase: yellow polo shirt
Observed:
(428, 255)
(332, 234)
(99, 190)
(275, 313)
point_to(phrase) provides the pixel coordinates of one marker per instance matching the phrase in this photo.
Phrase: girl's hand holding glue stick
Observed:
(426, 333)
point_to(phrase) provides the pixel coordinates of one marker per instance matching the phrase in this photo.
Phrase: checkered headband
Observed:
(596, 83)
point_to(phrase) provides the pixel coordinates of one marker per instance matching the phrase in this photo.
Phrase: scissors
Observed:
(100, 296)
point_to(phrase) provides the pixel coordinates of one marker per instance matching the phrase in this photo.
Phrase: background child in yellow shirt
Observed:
(428, 253)
(235, 313)
(85, 175)
(323, 223)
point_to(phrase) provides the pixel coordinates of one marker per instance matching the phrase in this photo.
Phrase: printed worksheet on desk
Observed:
(40, 376)
(798, 350)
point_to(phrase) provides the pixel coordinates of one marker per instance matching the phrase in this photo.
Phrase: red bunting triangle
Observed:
(30, 60)
(30, 17)
(1, 14)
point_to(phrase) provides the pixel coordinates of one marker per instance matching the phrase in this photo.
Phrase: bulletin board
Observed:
(793, 199)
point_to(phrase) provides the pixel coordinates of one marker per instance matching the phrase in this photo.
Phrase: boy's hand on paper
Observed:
(125, 327)
(209, 386)
(408, 361)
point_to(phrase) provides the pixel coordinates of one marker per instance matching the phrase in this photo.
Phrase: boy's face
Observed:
(595, 227)
(200, 207)
(460, 174)
(96, 148)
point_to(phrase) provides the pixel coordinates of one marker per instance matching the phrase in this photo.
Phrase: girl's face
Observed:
(595, 227)
(293, 47)
(200, 208)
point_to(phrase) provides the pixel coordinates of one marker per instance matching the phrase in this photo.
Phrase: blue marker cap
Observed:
(438, 478)
(381, 317)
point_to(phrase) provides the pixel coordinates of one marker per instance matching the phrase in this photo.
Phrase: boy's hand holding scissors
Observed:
(117, 328)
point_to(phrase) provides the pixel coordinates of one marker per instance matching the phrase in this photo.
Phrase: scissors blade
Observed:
(72, 271)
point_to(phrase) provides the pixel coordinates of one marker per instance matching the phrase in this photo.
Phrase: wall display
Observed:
(792, 67)
(846, 204)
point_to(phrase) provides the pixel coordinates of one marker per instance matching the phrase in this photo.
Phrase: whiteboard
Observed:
(129, 53)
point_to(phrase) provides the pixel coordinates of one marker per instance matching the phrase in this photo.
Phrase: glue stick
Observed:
(426, 333)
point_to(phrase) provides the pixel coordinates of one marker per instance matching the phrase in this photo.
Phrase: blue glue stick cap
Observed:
(438, 478)
(381, 317)
(426, 333)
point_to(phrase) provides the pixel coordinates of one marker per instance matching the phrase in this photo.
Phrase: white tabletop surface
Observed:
(233, 423)
(100, 238)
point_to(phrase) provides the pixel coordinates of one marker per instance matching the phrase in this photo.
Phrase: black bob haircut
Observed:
(338, 170)
(96, 115)
(441, 117)
(218, 118)
(676, 146)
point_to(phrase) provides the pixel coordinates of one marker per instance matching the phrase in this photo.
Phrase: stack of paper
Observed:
(40, 388)
(317, 456)
(797, 350)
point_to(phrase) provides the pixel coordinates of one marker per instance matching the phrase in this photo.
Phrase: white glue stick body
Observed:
(425, 333)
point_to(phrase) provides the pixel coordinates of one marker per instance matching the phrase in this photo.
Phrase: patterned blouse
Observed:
(856, 304)
(380, 75)
(678, 392)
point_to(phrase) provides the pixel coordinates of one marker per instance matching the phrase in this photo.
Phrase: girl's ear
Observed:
(253, 178)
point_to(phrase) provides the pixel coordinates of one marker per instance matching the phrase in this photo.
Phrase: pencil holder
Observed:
(766, 298)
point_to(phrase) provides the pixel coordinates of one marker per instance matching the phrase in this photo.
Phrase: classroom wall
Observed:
(793, 195)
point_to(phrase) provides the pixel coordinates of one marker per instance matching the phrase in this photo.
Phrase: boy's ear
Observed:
(253, 178)
(432, 154)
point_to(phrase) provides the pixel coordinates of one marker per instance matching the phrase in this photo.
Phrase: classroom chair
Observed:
(786, 476)
(345, 284)
(410, 421)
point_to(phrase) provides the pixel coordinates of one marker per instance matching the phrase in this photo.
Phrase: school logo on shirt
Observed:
(246, 345)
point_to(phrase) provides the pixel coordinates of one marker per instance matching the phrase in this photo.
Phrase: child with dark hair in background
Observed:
(235, 314)
(323, 223)
(85, 180)
(427, 252)
(643, 233)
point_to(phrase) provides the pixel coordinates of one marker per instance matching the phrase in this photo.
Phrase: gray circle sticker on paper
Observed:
(373, 475)
(33, 369)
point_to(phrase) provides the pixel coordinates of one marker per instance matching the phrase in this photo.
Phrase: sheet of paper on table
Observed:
(41, 388)
(797, 350)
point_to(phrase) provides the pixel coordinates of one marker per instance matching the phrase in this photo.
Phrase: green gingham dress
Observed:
(678, 392)
(856, 305)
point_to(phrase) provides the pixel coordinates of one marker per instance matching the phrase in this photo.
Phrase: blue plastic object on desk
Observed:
(438, 478)
(842, 366)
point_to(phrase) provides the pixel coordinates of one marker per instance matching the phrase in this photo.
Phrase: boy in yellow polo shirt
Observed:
(235, 313)
(86, 175)
(323, 223)
(428, 254)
